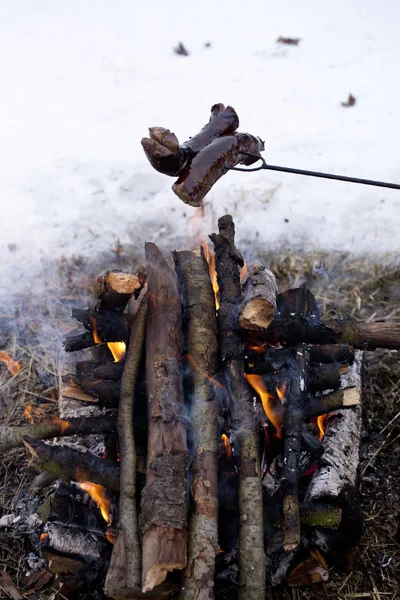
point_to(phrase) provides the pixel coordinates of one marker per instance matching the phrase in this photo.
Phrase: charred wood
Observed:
(79, 342)
(320, 378)
(364, 336)
(202, 349)
(297, 301)
(100, 370)
(163, 505)
(273, 359)
(124, 574)
(293, 424)
(106, 391)
(68, 464)
(258, 306)
(325, 403)
(12, 437)
(251, 545)
(110, 324)
(209, 165)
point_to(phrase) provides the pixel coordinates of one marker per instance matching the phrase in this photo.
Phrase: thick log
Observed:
(311, 515)
(73, 541)
(251, 544)
(315, 406)
(109, 325)
(115, 288)
(364, 336)
(320, 378)
(209, 165)
(164, 510)
(78, 342)
(13, 437)
(258, 307)
(202, 350)
(68, 464)
(168, 157)
(105, 391)
(259, 362)
(100, 370)
(124, 574)
(293, 424)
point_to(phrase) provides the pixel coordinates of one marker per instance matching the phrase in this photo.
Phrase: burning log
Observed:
(164, 511)
(320, 378)
(124, 575)
(259, 361)
(13, 437)
(100, 370)
(364, 336)
(79, 342)
(319, 405)
(209, 165)
(202, 349)
(258, 307)
(292, 447)
(251, 544)
(168, 157)
(68, 464)
(105, 325)
(114, 288)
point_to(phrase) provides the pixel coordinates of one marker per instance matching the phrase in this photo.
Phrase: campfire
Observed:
(210, 444)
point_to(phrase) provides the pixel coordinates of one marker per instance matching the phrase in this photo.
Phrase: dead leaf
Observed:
(37, 581)
(181, 50)
(288, 40)
(350, 101)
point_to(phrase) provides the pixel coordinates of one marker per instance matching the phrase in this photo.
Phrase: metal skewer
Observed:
(394, 186)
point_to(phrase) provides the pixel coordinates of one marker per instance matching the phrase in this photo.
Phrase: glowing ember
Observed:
(227, 444)
(28, 413)
(110, 535)
(118, 350)
(63, 423)
(281, 391)
(321, 426)
(257, 348)
(210, 258)
(99, 494)
(43, 536)
(268, 402)
(12, 365)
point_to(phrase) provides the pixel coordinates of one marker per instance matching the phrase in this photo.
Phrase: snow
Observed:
(82, 81)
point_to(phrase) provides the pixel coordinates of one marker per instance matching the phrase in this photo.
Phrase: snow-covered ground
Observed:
(80, 82)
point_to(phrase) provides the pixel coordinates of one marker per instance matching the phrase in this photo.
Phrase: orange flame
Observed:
(281, 391)
(321, 426)
(227, 444)
(28, 413)
(118, 350)
(110, 535)
(12, 365)
(43, 536)
(96, 338)
(210, 258)
(99, 494)
(63, 423)
(268, 402)
(243, 273)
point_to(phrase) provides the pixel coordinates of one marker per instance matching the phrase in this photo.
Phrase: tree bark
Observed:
(202, 351)
(13, 437)
(251, 543)
(115, 288)
(294, 418)
(124, 574)
(164, 510)
(69, 464)
(258, 307)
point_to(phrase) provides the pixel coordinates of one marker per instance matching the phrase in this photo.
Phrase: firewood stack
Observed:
(237, 431)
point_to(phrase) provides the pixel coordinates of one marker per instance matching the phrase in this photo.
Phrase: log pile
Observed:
(230, 436)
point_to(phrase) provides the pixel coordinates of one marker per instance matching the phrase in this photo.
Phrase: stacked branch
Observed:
(202, 351)
(163, 506)
(251, 543)
(258, 307)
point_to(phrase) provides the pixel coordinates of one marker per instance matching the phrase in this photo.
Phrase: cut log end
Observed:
(351, 397)
(257, 314)
(164, 550)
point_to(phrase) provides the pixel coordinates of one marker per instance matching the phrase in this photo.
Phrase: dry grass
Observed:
(343, 286)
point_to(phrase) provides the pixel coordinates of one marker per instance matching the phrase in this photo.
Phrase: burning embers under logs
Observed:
(237, 433)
